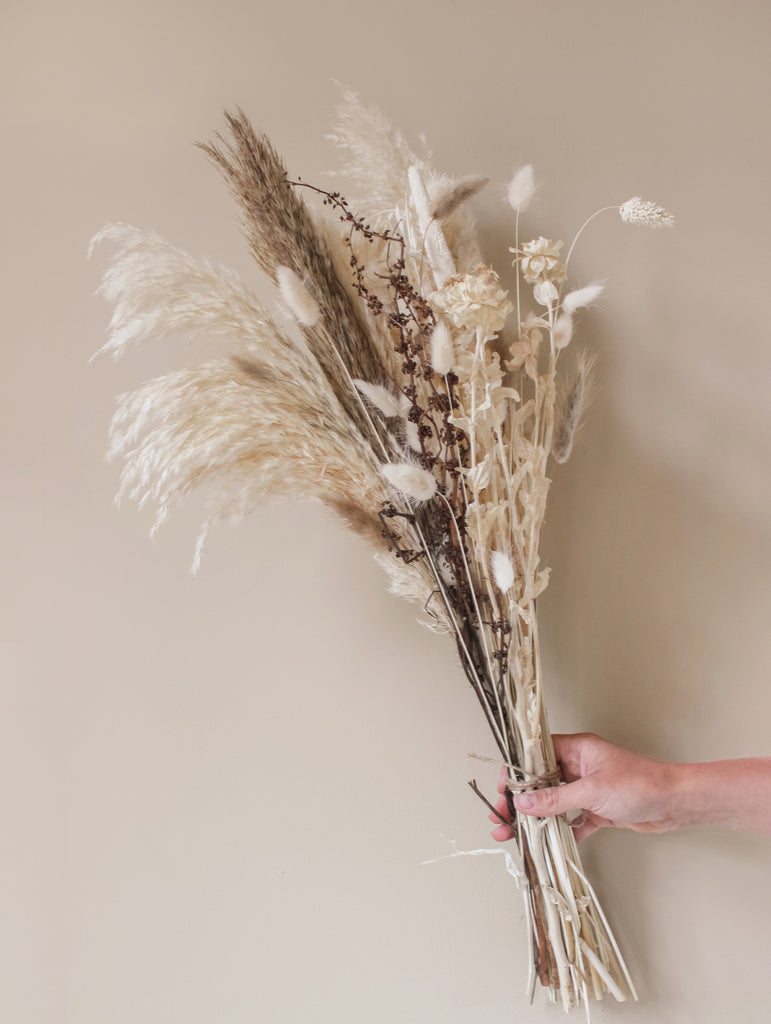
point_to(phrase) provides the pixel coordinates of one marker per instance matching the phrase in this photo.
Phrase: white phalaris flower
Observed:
(643, 211)
(521, 188)
(474, 300)
(503, 570)
(294, 293)
(581, 297)
(540, 259)
(412, 436)
(386, 401)
(563, 331)
(412, 480)
(442, 351)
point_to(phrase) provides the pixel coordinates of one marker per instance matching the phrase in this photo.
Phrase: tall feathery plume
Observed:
(281, 233)
(387, 400)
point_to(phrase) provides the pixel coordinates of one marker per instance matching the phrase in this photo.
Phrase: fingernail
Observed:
(525, 801)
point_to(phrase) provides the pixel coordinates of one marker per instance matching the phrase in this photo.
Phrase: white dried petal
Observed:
(479, 477)
(413, 481)
(545, 293)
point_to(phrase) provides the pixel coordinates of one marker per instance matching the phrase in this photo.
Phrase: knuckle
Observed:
(548, 799)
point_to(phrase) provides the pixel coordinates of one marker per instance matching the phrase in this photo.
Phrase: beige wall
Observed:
(216, 795)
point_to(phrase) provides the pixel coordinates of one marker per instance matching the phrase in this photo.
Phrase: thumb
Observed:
(545, 803)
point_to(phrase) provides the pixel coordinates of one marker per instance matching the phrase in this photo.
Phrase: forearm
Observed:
(727, 794)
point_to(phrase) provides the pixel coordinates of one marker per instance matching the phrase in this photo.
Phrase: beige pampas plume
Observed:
(581, 297)
(250, 436)
(521, 188)
(384, 400)
(378, 157)
(503, 570)
(643, 211)
(295, 294)
(415, 483)
(575, 399)
(405, 582)
(442, 350)
(282, 233)
(454, 194)
(158, 290)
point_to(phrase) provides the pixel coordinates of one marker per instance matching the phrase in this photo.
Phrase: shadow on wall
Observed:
(661, 558)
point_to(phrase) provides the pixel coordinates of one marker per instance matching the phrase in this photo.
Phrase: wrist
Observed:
(689, 795)
(734, 794)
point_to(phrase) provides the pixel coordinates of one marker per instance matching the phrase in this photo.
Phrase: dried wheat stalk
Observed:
(398, 400)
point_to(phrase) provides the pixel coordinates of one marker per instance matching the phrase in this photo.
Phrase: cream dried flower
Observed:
(643, 211)
(474, 300)
(540, 259)
(524, 351)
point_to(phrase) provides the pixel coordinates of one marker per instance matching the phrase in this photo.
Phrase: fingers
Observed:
(585, 829)
(502, 833)
(502, 819)
(545, 803)
(572, 751)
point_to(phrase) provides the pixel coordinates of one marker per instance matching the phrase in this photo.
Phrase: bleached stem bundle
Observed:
(389, 401)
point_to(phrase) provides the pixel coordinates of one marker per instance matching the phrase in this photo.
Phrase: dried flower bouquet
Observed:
(389, 389)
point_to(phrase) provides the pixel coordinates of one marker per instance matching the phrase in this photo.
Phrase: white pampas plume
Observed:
(521, 188)
(455, 194)
(386, 401)
(414, 482)
(563, 331)
(442, 350)
(582, 297)
(643, 211)
(503, 570)
(294, 293)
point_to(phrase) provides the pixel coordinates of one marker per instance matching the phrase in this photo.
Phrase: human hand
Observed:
(613, 786)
